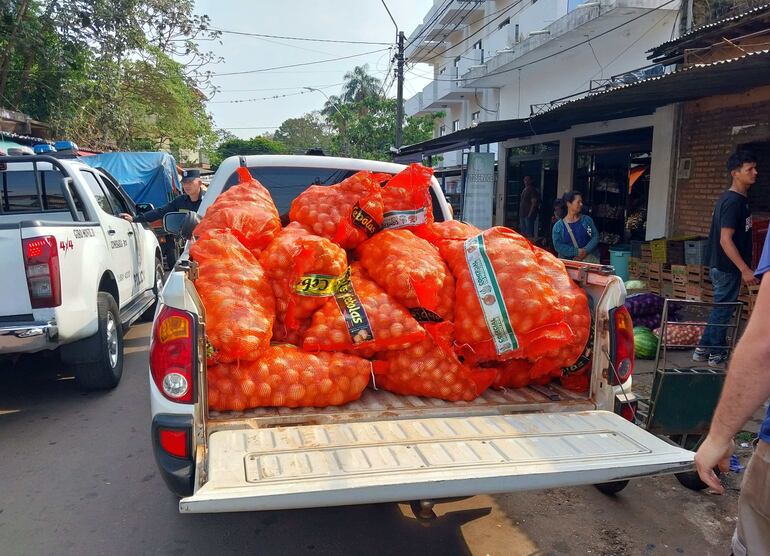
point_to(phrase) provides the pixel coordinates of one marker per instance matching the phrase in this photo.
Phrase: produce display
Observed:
(645, 343)
(363, 287)
(681, 336)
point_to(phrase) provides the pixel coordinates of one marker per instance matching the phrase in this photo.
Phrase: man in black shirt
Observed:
(190, 201)
(728, 255)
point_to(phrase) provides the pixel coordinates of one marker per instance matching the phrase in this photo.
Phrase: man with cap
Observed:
(190, 201)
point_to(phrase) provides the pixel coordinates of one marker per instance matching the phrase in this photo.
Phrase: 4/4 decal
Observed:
(66, 245)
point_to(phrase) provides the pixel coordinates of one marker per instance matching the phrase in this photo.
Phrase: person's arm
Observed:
(156, 214)
(533, 207)
(747, 386)
(728, 246)
(591, 246)
(563, 249)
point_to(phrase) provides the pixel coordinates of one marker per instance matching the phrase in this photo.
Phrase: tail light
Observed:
(175, 442)
(621, 345)
(41, 260)
(173, 354)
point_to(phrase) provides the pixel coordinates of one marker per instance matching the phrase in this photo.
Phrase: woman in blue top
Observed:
(575, 236)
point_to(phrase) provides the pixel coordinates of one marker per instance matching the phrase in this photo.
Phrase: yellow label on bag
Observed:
(316, 285)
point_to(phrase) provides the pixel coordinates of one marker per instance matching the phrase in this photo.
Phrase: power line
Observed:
(275, 89)
(463, 18)
(263, 35)
(428, 24)
(301, 64)
(242, 100)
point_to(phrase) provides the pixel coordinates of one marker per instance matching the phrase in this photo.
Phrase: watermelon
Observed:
(645, 343)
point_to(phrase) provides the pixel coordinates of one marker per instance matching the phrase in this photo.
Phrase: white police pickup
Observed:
(75, 275)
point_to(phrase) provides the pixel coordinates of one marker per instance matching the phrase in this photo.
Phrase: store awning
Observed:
(624, 101)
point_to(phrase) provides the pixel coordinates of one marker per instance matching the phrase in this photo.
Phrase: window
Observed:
(442, 131)
(457, 66)
(477, 46)
(116, 201)
(456, 125)
(20, 192)
(516, 33)
(506, 21)
(286, 183)
(476, 116)
(96, 189)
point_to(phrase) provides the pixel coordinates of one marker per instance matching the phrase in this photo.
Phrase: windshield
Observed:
(285, 184)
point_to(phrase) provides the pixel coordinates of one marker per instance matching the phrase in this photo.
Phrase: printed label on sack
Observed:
(422, 314)
(352, 311)
(490, 297)
(316, 285)
(402, 218)
(364, 220)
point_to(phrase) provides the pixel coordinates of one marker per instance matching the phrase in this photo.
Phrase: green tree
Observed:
(242, 147)
(303, 133)
(359, 84)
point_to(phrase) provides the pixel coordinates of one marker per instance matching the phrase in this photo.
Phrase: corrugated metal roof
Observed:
(627, 100)
(705, 29)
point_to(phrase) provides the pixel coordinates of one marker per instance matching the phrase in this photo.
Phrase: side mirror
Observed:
(144, 207)
(181, 224)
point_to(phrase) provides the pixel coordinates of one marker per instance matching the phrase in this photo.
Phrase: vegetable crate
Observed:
(684, 394)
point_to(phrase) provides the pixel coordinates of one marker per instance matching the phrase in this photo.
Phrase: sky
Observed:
(352, 20)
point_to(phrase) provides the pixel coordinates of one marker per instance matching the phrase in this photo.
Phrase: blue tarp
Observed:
(145, 177)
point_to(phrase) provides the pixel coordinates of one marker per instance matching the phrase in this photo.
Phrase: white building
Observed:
(511, 59)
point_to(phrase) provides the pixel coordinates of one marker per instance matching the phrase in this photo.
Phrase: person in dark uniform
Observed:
(190, 201)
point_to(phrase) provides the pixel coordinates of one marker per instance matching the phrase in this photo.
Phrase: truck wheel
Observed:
(691, 480)
(612, 488)
(106, 346)
(149, 314)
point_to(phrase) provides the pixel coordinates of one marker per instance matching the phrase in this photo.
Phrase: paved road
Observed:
(77, 477)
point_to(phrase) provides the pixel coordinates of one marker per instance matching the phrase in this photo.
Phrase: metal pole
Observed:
(400, 89)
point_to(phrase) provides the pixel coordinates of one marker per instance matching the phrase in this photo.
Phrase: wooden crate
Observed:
(695, 274)
(667, 290)
(693, 292)
(654, 285)
(647, 252)
(679, 274)
(634, 268)
(658, 250)
(644, 270)
(655, 271)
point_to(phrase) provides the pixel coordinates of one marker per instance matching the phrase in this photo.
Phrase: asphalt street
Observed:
(78, 478)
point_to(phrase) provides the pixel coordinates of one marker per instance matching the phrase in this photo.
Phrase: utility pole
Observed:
(400, 89)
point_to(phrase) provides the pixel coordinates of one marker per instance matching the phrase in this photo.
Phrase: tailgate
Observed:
(13, 278)
(414, 459)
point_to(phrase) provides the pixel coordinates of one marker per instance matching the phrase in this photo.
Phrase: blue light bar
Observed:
(65, 146)
(43, 148)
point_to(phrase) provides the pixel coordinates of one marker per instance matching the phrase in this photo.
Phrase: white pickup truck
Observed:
(75, 274)
(383, 447)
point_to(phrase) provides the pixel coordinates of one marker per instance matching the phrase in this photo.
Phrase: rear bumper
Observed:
(28, 337)
(178, 473)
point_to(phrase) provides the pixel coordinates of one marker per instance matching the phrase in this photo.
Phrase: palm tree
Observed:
(359, 84)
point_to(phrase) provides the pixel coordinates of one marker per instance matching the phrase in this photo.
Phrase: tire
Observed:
(691, 480)
(612, 488)
(105, 348)
(149, 314)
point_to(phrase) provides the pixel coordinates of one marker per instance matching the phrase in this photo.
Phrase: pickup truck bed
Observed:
(381, 405)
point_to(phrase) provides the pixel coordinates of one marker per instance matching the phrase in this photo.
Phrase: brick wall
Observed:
(711, 129)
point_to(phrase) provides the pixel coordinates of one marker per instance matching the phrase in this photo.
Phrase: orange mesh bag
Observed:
(513, 301)
(347, 213)
(411, 270)
(441, 233)
(285, 376)
(240, 308)
(247, 210)
(362, 319)
(431, 369)
(302, 269)
(406, 198)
